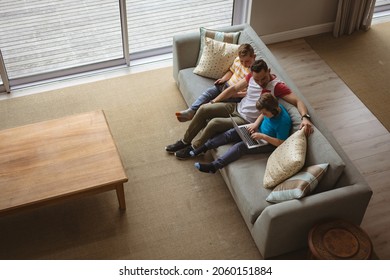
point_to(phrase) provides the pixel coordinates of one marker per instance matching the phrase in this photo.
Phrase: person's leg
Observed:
(215, 126)
(203, 115)
(234, 153)
(205, 97)
(229, 136)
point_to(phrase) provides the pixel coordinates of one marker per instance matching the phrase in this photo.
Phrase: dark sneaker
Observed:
(205, 167)
(202, 149)
(176, 147)
(184, 153)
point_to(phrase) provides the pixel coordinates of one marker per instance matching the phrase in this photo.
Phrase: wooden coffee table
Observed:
(57, 159)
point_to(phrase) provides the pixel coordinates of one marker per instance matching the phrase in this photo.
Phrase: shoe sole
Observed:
(172, 152)
(179, 158)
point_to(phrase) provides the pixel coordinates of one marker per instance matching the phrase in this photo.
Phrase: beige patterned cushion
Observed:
(227, 37)
(299, 185)
(217, 57)
(286, 160)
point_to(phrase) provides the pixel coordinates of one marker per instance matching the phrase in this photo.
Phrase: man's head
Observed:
(246, 54)
(268, 105)
(261, 72)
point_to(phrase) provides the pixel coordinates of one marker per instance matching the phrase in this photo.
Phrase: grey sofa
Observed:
(283, 227)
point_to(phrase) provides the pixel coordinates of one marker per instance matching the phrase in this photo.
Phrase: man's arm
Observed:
(294, 100)
(230, 91)
(240, 94)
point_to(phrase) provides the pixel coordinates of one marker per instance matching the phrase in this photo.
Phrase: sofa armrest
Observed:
(284, 227)
(185, 52)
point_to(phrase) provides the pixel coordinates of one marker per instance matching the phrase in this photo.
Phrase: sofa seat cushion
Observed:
(246, 177)
(191, 86)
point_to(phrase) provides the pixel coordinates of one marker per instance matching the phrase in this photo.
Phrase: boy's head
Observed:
(246, 54)
(268, 105)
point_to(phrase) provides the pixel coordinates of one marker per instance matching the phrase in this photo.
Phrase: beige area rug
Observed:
(173, 211)
(362, 61)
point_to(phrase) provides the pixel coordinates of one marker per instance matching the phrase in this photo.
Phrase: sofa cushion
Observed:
(244, 176)
(286, 160)
(227, 37)
(191, 86)
(299, 185)
(216, 59)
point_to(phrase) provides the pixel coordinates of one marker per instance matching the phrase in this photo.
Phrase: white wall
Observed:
(280, 20)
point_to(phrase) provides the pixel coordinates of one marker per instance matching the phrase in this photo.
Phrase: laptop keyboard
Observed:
(247, 136)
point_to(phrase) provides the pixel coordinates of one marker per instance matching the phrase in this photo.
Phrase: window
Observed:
(51, 38)
(152, 24)
(382, 7)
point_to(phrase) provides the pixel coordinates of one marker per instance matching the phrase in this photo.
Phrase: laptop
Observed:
(246, 136)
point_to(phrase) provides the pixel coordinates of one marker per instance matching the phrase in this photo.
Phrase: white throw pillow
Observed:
(227, 37)
(286, 160)
(217, 57)
(299, 185)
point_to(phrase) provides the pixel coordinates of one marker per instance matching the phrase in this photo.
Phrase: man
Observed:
(214, 119)
(237, 71)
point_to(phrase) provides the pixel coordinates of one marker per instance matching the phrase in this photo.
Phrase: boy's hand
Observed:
(219, 82)
(252, 128)
(257, 136)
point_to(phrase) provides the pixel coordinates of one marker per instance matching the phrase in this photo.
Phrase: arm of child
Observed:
(224, 79)
(228, 93)
(254, 127)
(272, 140)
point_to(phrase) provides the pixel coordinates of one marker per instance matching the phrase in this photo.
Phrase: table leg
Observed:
(121, 197)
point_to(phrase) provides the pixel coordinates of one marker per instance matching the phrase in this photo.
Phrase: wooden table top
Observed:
(57, 158)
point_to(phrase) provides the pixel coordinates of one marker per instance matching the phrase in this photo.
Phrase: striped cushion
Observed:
(299, 185)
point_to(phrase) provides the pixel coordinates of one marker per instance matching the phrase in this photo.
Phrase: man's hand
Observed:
(240, 94)
(307, 126)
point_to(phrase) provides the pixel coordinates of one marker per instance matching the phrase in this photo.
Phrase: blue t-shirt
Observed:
(278, 126)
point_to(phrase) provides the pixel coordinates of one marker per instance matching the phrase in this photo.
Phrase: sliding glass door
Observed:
(151, 24)
(40, 39)
(47, 39)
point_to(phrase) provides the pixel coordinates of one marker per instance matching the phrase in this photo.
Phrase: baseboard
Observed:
(297, 33)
